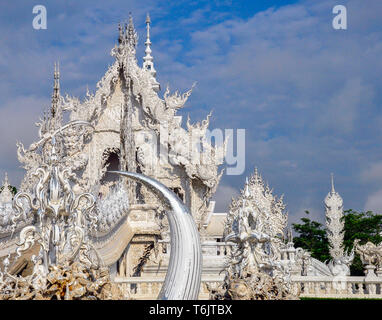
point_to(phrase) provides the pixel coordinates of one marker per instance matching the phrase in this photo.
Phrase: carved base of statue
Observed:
(256, 287)
(369, 271)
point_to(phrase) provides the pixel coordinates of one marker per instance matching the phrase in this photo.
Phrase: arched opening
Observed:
(112, 162)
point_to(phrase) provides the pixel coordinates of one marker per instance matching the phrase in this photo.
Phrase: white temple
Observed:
(126, 125)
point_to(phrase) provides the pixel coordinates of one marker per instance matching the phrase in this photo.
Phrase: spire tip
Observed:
(332, 182)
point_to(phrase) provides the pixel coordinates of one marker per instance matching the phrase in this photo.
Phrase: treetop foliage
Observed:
(365, 226)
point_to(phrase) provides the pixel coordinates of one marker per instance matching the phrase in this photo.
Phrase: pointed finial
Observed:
(120, 33)
(148, 63)
(58, 71)
(247, 193)
(6, 181)
(148, 42)
(130, 24)
(332, 181)
(290, 235)
(56, 88)
(257, 176)
(130, 34)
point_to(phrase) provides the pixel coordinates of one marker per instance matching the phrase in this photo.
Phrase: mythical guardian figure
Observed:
(254, 224)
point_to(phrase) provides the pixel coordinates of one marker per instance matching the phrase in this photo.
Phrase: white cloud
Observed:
(374, 202)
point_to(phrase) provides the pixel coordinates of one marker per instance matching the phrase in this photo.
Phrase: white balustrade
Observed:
(337, 287)
(308, 286)
(148, 288)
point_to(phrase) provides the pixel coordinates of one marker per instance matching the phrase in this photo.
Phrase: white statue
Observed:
(255, 223)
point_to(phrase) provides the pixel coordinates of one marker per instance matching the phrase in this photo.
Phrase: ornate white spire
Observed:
(130, 34)
(56, 111)
(148, 60)
(127, 42)
(334, 223)
(335, 231)
(56, 89)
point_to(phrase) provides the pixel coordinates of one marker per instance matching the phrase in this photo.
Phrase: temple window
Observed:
(112, 162)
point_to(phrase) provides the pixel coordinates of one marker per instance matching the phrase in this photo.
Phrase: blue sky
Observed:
(308, 96)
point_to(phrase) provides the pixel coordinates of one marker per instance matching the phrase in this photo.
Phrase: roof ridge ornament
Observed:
(127, 41)
(148, 60)
(56, 89)
(131, 35)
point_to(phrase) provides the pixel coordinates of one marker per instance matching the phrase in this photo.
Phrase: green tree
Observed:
(365, 226)
(11, 188)
(312, 237)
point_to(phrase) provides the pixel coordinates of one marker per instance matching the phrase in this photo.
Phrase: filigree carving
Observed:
(253, 268)
(340, 263)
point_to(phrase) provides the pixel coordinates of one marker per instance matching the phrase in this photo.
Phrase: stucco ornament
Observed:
(340, 263)
(297, 260)
(129, 118)
(111, 208)
(371, 257)
(67, 265)
(268, 210)
(255, 222)
(62, 217)
(114, 128)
